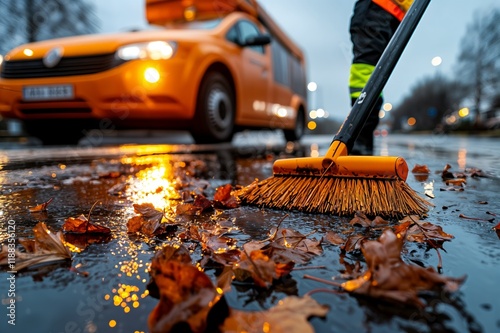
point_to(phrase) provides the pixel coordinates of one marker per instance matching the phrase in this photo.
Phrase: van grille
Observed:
(23, 69)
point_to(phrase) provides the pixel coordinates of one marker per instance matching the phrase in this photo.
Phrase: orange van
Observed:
(210, 70)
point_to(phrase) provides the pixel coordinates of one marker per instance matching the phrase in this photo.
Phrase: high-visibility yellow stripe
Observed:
(358, 77)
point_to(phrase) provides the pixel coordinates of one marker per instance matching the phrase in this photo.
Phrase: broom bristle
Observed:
(340, 196)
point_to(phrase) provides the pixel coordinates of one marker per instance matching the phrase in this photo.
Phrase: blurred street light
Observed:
(436, 61)
(463, 112)
(312, 86)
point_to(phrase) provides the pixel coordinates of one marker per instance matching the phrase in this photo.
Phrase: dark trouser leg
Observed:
(371, 29)
(364, 142)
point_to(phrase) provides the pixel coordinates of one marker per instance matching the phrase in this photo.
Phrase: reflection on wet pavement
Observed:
(104, 289)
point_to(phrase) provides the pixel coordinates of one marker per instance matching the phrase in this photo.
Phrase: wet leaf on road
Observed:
(41, 207)
(421, 231)
(186, 294)
(353, 243)
(148, 222)
(257, 267)
(421, 169)
(334, 238)
(446, 174)
(223, 197)
(201, 204)
(81, 225)
(290, 315)
(46, 247)
(388, 277)
(362, 220)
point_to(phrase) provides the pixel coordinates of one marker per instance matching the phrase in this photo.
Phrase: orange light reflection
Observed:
(462, 158)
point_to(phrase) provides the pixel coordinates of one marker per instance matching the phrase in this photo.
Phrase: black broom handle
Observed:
(360, 111)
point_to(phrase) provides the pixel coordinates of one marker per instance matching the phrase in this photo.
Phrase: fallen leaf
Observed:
(186, 294)
(388, 277)
(334, 238)
(421, 231)
(421, 169)
(46, 247)
(148, 222)
(362, 220)
(201, 204)
(456, 181)
(223, 197)
(474, 172)
(41, 207)
(256, 266)
(445, 174)
(290, 315)
(353, 243)
(80, 225)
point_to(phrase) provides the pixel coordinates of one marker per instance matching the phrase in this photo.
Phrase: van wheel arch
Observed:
(215, 108)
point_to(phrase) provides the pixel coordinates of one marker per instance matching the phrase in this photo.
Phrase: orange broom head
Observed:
(339, 184)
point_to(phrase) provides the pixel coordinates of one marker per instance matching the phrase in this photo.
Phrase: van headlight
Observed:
(155, 50)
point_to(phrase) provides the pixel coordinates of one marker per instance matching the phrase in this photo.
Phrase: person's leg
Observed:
(371, 29)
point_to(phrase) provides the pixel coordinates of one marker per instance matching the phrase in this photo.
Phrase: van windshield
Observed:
(194, 25)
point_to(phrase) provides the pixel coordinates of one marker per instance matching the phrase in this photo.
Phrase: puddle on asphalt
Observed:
(104, 287)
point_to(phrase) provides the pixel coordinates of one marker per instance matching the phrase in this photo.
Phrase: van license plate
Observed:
(48, 93)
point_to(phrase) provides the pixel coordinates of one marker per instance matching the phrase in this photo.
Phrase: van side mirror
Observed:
(257, 40)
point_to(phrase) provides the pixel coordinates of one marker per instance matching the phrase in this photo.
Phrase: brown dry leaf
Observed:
(186, 293)
(80, 225)
(46, 247)
(353, 243)
(497, 227)
(388, 277)
(148, 222)
(351, 271)
(421, 169)
(474, 172)
(445, 174)
(421, 231)
(334, 238)
(293, 239)
(290, 315)
(41, 207)
(216, 243)
(223, 197)
(256, 266)
(456, 181)
(200, 205)
(362, 220)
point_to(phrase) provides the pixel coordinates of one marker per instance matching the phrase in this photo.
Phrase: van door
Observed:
(256, 77)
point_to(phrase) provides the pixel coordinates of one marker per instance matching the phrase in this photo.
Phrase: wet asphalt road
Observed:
(55, 299)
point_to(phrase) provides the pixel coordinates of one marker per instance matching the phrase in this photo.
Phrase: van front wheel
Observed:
(215, 110)
(298, 131)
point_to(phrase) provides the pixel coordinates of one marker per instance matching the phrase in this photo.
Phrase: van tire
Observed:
(298, 131)
(215, 110)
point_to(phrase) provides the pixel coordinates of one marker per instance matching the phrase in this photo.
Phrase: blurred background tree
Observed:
(479, 60)
(475, 83)
(430, 100)
(32, 20)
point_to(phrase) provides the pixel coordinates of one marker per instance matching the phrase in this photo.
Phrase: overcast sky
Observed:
(320, 27)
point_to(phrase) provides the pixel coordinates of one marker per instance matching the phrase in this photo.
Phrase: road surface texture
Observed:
(104, 287)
